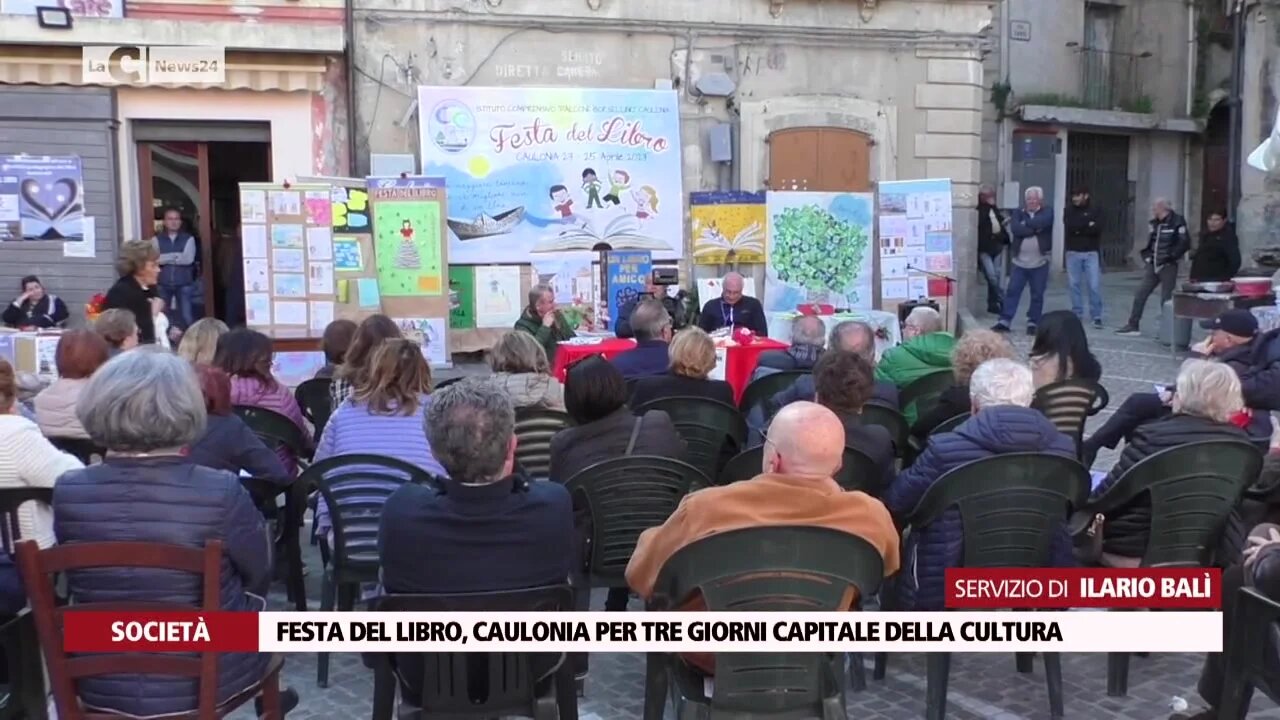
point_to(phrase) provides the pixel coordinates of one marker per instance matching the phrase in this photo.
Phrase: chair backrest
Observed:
(40, 566)
(275, 430)
(762, 389)
(874, 413)
(857, 471)
(743, 466)
(487, 684)
(770, 569)
(950, 423)
(316, 402)
(449, 381)
(923, 392)
(83, 449)
(354, 488)
(1067, 404)
(1193, 488)
(534, 429)
(1010, 506)
(10, 500)
(625, 497)
(707, 427)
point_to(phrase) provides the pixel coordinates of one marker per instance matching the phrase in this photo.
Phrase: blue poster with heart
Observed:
(47, 194)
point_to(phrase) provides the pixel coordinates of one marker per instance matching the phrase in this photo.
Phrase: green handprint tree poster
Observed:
(819, 250)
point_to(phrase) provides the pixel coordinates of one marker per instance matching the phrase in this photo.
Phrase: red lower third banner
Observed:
(88, 631)
(1062, 588)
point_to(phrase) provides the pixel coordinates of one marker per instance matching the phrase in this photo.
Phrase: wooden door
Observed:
(177, 174)
(819, 159)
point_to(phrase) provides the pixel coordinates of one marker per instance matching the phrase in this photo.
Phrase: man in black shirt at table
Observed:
(733, 309)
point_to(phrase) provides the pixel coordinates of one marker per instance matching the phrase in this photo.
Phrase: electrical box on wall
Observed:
(720, 140)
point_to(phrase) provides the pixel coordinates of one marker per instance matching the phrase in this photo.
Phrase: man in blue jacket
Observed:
(177, 267)
(1032, 248)
(1002, 422)
(651, 324)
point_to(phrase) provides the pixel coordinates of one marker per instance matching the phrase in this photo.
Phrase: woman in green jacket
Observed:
(541, 320)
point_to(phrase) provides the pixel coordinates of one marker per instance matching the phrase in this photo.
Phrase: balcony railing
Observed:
(1113, 81)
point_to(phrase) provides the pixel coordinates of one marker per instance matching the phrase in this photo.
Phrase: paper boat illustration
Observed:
(485, 226)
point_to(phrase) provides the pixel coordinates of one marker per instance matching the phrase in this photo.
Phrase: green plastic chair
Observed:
(1068, 405)
(534, 429)
(889, 418)
(1192, 489)
(1009, 506)
(857, 471)
(1252, 639)
(923, 392)
(316, 402)
(762, 569)
(276, 431)
(711, 430)
(766, 387)
(951, 423)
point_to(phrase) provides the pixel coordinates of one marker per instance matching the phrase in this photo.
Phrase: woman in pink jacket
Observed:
(246, 355)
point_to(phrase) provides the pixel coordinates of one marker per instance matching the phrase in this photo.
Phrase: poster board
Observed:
(914, 244)
(287, 242)
(41, 198)
(352, 245)
(626, 275)
(819, 249)
(408, 215)
(727, 227)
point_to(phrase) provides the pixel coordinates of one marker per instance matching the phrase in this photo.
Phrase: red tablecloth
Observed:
(740, 360)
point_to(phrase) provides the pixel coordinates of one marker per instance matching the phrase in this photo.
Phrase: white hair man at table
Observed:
(734, 309)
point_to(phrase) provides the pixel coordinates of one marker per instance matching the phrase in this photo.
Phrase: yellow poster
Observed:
(727, 227)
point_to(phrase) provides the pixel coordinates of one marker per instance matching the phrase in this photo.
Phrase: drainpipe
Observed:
(1192, 62)
(1003, 160)
(1236, 105)
(348, 52)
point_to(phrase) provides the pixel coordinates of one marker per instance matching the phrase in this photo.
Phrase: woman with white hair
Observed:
(146, 408)
(1206, 403)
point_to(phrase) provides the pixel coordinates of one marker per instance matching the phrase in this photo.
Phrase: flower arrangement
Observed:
(95, 306)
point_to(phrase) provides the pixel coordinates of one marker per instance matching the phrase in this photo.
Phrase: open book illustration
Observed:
(622, 233)
(712, 241)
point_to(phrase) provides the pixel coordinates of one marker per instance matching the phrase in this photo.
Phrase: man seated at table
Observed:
(651, 324)
(804, 449)
(734, 310)
(807, 343)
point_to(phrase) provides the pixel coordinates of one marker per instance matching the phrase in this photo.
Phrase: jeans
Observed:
(177, 298)
(1167, 279)
(1019, 278)
(991, 270)
(1085, 267)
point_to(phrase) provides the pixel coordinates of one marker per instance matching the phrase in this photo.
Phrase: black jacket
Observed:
(581, 446)
(1218, 257)
(1169, 240)
(672, 385)
(49, 312)
(127, 294)
(747, 313)
(229, 444)
(952, 402)
(992, 240)
(874, 440)
(1084, 228)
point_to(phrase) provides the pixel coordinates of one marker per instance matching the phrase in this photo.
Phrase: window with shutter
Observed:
(819, 159)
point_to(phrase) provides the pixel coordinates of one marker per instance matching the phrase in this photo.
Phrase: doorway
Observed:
(1100, 162)
(201, 178)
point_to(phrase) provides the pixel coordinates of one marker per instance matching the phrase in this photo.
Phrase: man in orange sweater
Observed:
(804, 448)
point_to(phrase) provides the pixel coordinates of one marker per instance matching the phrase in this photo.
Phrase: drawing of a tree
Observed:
(817, 251)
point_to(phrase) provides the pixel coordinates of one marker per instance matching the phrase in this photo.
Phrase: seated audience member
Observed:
(337, 339)
(520, 367)
(35, 308)
(1061, 351)
(79, 354)
(1259, 570)
(489, 530)
(843, 381)
(692, 357)
(805, 448)
(354, 370)
(972, 349)
(807, 342)
(245, 355)
(1206, 400)
(925, 349)
(26, 460)
(139, 266)
(227, 443)
(651, 324)
(1003, 422)
(200, 342)
(145, 407)
(384, 416)
(542, 320)
(1233, 341)
(119, 328)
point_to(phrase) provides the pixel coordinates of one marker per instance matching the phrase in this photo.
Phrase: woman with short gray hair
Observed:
(544, 322)
(521, 368)
(145, 407)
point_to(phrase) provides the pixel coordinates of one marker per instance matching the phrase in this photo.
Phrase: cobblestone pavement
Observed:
(981, 686)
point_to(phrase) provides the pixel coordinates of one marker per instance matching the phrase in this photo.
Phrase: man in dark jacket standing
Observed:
(1217, 258)
(1032, 231)
(1168, 242)
(177, 267)
(1084, 264)
(992, 239)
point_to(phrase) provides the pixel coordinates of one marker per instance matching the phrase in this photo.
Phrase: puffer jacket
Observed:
(1258, 366)
(934, 548)
(165, 500)
(1168, 241)
(1128, 528)
(914, 359)
(537, 390)
(56, 409)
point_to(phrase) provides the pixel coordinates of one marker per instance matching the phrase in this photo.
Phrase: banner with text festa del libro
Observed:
(537, 171)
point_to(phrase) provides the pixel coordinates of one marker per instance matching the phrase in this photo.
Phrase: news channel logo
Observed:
(154, 65)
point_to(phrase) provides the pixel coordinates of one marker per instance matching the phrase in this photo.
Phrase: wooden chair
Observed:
(38, 568)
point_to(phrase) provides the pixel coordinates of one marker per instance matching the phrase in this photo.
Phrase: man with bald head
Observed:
(733, 309)
(808, 339)
(804, 450)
